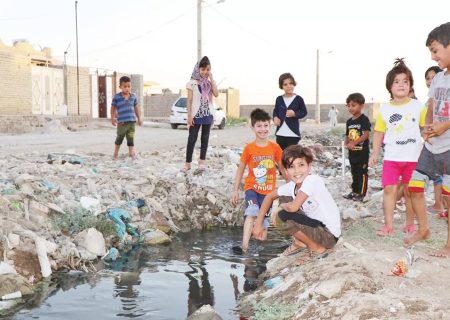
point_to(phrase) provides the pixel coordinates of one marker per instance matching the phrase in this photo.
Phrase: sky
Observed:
(249, 42)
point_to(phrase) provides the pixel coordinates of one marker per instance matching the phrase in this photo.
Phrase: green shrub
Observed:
(274, 311)
(77, 220)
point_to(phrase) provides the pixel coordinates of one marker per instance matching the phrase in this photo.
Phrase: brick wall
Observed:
(159, 105)
(15, 83)
(85, 91)
(343, 114)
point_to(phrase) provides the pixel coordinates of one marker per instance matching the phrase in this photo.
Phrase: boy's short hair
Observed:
(124, 79)
(285, 76)
(436, 70)
(355, 97)
(440, 34)
(294, 152)
(399, 68)
(259, 115)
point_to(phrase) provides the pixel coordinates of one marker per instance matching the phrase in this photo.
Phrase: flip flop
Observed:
(385, 231)
(443, 215)
(292, 249)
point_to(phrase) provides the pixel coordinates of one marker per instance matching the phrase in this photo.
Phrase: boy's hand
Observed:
(350, 145)
(114, 122)
(276, 121)
(234, 198)
(290, 113)
(373, 160)
(258, 231)
(140, 122)
(274, 215)
(435, 129)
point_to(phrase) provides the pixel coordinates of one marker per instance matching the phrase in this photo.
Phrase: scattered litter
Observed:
(273, 282)
(11, 296)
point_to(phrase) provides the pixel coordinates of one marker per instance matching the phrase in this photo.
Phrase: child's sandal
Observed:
(410, 228)
(385, 231)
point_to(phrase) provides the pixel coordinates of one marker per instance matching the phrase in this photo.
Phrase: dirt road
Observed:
(100, 138)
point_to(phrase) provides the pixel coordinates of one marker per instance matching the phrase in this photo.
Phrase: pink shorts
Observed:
(393, 170)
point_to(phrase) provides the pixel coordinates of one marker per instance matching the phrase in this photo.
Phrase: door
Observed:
(102, 106)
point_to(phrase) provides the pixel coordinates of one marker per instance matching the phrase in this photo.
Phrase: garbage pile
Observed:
(63, 210)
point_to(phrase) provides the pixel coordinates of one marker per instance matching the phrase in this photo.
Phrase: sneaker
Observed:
(358, 198)
(349, 196)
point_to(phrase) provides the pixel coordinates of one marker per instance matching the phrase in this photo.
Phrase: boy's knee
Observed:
(389, 190)
(119, 140)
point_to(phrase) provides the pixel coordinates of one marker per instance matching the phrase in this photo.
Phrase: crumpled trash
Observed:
(91, 204)
(13, 295)
(112, 254)
(49, 185)
(138, 203)
(122, 220)
(70, 158)
(6, 268)
(274, 282)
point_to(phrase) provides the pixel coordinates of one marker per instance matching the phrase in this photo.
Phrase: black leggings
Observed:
(192, 139)
(285, 142)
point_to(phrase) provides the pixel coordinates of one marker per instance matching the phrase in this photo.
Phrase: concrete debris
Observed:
(91, 244)
(206, 312)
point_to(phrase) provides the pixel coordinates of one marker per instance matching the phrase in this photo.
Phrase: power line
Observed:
(142, 35)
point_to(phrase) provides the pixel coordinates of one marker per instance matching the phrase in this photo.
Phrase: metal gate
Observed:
(47, 90)
(102, 105)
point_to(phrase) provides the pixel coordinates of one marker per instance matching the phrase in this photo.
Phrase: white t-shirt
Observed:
(440, 93)
(319, 205)
(401, 126)
(196, 98)
(284, 130)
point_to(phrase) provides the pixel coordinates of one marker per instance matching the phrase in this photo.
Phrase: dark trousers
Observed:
(285, 142)
(359, 165)
(192, 139)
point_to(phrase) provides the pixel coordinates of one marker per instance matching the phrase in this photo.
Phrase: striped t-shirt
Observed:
(125, 107)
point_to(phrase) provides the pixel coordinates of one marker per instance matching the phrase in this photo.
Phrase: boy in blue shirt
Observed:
(126, 105)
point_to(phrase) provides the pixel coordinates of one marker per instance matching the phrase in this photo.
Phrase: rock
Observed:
(155, 236)
(330, 288)
(350, 213)
(328, 155)
(23, 178)
(91, 244)
(6, 268)
(211, 198)
(206, 312)
(14, 240)
(10, 283)
(91, 204)
(157, 220)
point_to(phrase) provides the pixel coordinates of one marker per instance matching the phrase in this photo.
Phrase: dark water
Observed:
(165, 282)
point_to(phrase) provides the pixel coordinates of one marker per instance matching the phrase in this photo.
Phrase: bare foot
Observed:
(443, 253)
(186, 167)
(419, 235)
(115, 157)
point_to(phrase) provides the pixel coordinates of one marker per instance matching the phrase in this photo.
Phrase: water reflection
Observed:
(200, 291)
(159, 282)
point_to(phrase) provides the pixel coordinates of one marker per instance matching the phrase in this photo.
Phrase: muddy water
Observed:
(166, 282)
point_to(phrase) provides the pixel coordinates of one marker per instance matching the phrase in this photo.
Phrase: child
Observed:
(398, 123)
(434, 161)
(261, 156)
(318, 227)
(357, 143)
(438, 206)
(126, 105)
(200, 110)
(289, 109)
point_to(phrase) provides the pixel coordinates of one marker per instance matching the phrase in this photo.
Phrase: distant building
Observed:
(33, 82)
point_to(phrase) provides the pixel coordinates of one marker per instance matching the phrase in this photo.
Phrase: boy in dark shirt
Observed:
(357, 143)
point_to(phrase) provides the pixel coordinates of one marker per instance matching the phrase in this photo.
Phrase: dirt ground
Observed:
(100, 135)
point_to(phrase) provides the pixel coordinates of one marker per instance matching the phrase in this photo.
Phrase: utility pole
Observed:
(317, 89)
(78, 70)
(199, 29)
